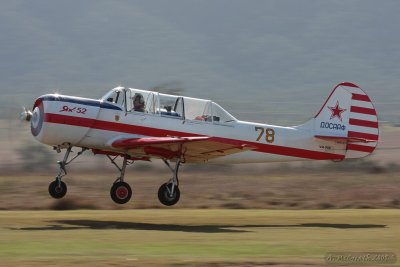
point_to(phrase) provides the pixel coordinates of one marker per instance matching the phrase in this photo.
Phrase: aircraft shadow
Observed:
(108, 225)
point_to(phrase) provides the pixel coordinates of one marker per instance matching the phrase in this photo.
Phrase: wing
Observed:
(191, 149)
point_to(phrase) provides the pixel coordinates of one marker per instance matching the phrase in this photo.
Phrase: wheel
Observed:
(121, 192)
(165, 197)
(57, 191)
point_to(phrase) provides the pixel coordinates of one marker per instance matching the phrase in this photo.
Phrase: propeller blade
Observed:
(26, 114)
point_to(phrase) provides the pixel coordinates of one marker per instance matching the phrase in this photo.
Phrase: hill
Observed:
(271, 61)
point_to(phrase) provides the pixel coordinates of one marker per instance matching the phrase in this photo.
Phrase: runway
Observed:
(192, 237)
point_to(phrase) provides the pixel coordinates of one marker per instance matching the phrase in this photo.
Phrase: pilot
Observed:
(138, 102)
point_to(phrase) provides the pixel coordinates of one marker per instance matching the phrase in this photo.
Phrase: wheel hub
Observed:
(58, 189)
(122, 192)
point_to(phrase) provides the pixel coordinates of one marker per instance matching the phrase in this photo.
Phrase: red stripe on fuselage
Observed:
(147, 131)
(69, 120)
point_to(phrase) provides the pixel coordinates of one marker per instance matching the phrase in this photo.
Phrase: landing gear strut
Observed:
(169, 193)
(57, 188)
(120, 191)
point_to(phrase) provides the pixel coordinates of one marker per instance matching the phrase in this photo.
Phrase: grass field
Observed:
(190, 237)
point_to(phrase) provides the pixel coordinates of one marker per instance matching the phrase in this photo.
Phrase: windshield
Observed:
(220, 115)
(115, 96)
(205, 110)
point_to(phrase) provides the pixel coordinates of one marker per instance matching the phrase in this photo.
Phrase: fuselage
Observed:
(139, 125)
(96, 124)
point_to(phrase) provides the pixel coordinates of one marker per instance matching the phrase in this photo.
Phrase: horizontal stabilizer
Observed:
(344, 139)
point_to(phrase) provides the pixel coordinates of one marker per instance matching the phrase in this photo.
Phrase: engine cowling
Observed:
(58, 119)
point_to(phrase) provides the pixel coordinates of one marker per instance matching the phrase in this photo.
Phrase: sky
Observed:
(268, 61)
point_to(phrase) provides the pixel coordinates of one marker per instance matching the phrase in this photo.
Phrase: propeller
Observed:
(26, 114)
(170, 88)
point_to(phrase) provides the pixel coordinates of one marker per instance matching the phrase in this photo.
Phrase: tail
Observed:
(348, 121)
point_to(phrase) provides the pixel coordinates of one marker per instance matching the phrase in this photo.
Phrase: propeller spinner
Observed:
(26, 114)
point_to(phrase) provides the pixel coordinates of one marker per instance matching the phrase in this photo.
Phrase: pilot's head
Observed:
(138, 102)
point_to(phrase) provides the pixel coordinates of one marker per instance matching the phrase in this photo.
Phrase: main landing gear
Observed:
(120, 192)
(169, 193)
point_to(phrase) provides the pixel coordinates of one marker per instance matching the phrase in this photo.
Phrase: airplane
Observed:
(140, 125)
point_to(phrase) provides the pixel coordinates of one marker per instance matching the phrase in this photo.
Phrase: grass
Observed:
(190, 237)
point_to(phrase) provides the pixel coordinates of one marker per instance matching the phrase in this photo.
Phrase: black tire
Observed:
(57, 191)
(121, 192)
(165, 198)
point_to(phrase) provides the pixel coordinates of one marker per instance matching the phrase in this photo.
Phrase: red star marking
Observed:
(337, 111)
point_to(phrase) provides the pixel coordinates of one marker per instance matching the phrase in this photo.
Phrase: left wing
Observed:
(190, 149)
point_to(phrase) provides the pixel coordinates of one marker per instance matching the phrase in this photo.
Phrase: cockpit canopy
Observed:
(172, 106)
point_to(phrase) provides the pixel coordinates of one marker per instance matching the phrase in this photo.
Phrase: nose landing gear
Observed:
(57, 188)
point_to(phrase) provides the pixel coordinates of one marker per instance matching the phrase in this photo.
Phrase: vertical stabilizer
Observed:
(348, 115)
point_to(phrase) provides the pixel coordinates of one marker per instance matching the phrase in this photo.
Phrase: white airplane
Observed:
(139, 125)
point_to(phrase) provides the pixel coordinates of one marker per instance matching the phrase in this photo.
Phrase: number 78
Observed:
(269, 134)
